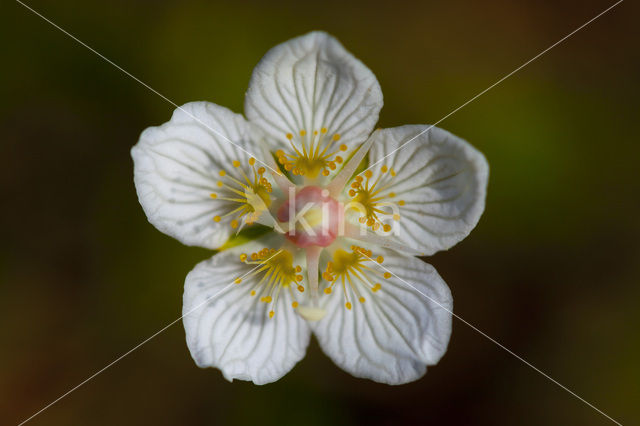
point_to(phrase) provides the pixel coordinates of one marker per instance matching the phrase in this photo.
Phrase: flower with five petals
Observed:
(338, 212)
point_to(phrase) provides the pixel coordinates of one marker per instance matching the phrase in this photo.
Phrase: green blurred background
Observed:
(552, 270)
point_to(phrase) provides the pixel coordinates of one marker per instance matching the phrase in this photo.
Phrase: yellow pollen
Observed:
(380, 259)
(350, 270)
(216, 218)
(386, 227)
(401, 203)
(309, 156)
(384, 169)
(234, 224)
(236, 163)
(343, 147)
(222, 173)
(214, 195)
(238, 280)
(336, 137)
(396, 217)
(243, 257)
(220, 184)
(253, 292)
(271, 314)
(387, 275)
(294, 305)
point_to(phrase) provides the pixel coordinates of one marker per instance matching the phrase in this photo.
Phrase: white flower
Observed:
(250, 310)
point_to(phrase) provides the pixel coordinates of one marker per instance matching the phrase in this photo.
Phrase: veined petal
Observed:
(310, 91)
(184, 172)
(431, 192)
(382, 327)
(229, 328)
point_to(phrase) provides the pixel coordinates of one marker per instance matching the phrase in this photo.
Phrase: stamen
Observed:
(252, 195)
(310, 157)
(278, 273)
(371, 196)
(351, 269)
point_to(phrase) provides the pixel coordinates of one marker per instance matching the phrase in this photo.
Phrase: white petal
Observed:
(397, 331)
(176, 168)
(311, 82)
(229, 329)
(441, 178)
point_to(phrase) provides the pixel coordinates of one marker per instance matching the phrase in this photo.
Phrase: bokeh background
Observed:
(552, 271)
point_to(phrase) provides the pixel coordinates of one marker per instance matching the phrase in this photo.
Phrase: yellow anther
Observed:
(216, 218)
(271, 314)
(343, 147)
(401, 203)
(387, 275)
(315, 132)
(243, 257)
(376, 287)
(252, 161)
(222, 173)
(393, 194)
(301, 289)
(220, 184)
(348, 305)
(361, 299)
(294, 305)
(289, 136)
(325, 172)
(327, 290)
(396, 217)
(213, 195)
(238, 280)
(380, 259)
(368, 174)
(393, 172)
(386, 227)
(384, 169)
(234, 224)
(236, 163)
(336, 137)
(339, 159)
(253, 292)
(303, 132)
(352, 193)
(323, 130)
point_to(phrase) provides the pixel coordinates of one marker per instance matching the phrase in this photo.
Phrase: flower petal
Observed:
(396, 332)
(440, 178)
(229, 329)
(311, 82)
(176, 171)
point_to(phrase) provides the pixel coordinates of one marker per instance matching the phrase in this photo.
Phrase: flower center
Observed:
(311, 216)
(252, 195)
(350, 268)
(369, 196)
(312, 153)
(277, 272)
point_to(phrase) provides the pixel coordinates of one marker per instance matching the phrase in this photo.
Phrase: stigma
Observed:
(369, 196)
(311, 217)
(349, 269)
(278, 273)
(251, 194)
(313, 153)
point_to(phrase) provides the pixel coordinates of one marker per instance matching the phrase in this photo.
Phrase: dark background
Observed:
(552, 270)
